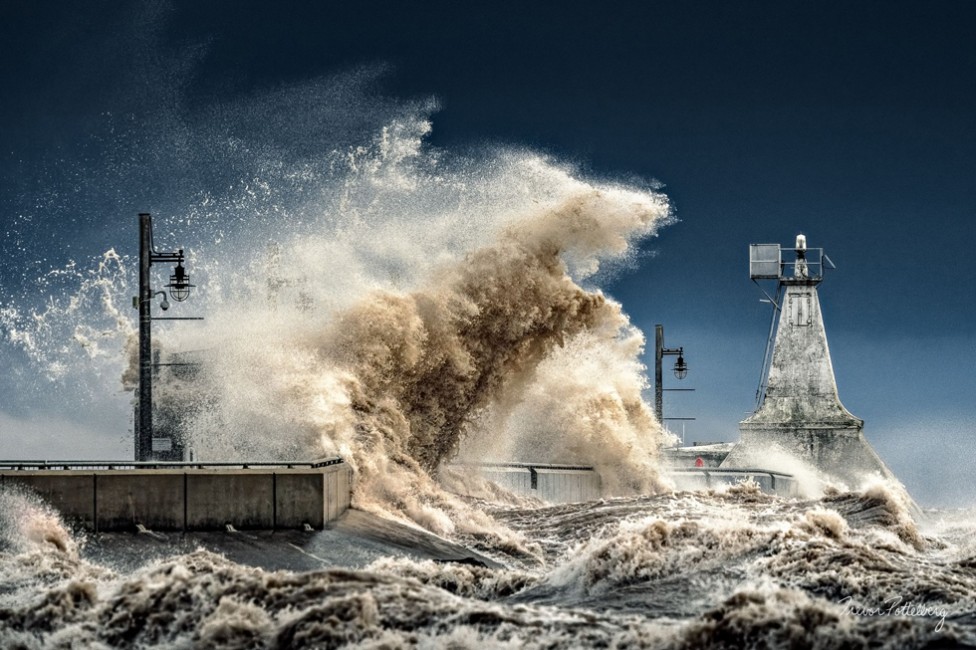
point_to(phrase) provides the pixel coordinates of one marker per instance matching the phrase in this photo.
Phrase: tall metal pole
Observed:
(658, 373)
(143, 438)
(179, 286)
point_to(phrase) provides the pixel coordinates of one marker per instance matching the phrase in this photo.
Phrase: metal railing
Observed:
(777, 480)
(728, 470)
(528, 466)
(17, 465)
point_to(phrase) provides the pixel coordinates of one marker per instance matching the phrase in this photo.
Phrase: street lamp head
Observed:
(680, 367)
(179, 283)
(164, 303)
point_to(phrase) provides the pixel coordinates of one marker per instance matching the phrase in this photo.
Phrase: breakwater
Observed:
(120, 496)
(544, 481)
(784, 485)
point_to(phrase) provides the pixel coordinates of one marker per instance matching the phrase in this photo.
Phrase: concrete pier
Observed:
(108, 496)
(575, 484)
(550, 483)
(777, 483)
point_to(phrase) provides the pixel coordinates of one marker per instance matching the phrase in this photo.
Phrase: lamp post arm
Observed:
(659, 353)
(166, 257)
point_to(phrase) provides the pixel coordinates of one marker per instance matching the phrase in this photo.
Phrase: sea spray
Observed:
(399, 375)
(28, 524)
(585, 406)
(45, 584)
(83, 317)
(364, 293)
(397, 303)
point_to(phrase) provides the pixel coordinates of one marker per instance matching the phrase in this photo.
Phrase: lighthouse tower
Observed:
(800, 413)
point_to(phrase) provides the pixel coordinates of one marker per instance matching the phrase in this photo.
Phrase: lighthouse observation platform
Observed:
(177, 496)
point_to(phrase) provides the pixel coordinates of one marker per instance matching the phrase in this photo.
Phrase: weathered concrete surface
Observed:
(513, 479)
(343, 493)
(192, 499)
(568, 485)
(300, 499)
(331, 486)
(154, 500)
(801, 389)
(240, 498)
(549, 483)
(314, 499)
(801, 414)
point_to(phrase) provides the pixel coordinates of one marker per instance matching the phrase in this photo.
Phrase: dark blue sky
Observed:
(854, 123)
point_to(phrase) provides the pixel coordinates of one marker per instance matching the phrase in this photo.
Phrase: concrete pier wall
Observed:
(769, 482)
(191, 499)
(550, 483)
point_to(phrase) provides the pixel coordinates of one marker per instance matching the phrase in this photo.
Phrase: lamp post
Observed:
(179, 286)
(680, 369)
